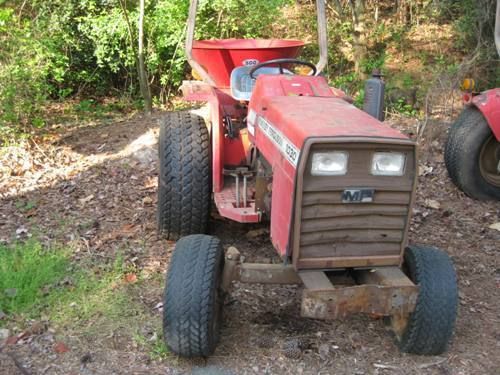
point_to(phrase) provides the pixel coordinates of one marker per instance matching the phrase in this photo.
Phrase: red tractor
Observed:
(472, 151)
(335, 185)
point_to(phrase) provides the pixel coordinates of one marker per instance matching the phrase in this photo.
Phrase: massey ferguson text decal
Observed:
(358, 196)
(287, 148)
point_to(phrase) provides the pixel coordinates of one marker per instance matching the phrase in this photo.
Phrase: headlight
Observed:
(329, 163)
(388, 164)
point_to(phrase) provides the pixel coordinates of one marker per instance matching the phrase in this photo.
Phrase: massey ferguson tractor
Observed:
(472, 151)
(335, 185)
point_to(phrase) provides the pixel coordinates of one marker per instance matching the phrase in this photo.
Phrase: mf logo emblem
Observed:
(358, 196)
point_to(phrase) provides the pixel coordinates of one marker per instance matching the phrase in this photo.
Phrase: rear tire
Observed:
(192, 307)
(464, 155)
(184, 191)
(430, 326)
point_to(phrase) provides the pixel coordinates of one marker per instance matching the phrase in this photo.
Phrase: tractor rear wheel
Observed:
(472, 156)
(192, 305)
(430, 327)
(184, 191)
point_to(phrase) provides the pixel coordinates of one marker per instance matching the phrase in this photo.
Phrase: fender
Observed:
(488, 102)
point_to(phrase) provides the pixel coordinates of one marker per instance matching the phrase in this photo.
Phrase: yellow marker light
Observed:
(196, 75)
(468, 84)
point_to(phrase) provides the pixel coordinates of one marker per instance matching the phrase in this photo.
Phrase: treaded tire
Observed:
(462, 152)
(192, 306)
(184, 189)
(430, 326)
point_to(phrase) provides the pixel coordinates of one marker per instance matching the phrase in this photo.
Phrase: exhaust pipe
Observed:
(374, 96)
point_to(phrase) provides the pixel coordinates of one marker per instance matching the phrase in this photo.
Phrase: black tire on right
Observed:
(184, 188)
(193, 299)
(463, 147)
(430, 326)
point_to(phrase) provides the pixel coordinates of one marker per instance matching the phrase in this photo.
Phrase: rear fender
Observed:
(488, 102)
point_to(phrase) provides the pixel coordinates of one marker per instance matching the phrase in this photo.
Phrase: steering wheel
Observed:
(280, 63)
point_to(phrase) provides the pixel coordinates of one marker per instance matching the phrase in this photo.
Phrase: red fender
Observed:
(488, 103)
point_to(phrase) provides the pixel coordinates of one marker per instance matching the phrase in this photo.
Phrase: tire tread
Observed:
(184, 191)
(190, 302)
(430, 326)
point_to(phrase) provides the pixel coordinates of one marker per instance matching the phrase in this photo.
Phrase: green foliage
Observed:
(26, 270)
(61, 48)
(403, 108)
(86, 49)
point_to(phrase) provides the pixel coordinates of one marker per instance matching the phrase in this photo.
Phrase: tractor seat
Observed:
(241, 83)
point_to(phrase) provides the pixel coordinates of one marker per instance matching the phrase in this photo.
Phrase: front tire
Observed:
(184, 189)
(193, 299)
(472, 156)
(430, 326)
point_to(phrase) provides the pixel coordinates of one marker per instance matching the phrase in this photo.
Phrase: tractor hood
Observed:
(302, 117)
(285, 111)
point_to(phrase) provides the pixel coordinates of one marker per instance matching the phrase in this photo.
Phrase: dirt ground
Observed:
(95, 191)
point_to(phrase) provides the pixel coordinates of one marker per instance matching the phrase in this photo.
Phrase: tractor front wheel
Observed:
(192, 305)
(472, 156)
(184, 189)
(430, 326)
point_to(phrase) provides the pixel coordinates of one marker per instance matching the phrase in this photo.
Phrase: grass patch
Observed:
(94, 301)
(25, 270)
(156, 348)
(98, 292)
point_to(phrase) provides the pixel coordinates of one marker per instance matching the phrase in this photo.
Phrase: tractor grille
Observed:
(331, 232)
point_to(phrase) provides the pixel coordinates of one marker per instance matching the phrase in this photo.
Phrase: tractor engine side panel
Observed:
(281, 153)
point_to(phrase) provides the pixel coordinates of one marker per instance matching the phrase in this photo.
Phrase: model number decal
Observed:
(250, 62)
(287, 148)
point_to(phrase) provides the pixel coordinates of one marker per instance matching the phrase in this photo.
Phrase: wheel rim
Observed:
(489, 161)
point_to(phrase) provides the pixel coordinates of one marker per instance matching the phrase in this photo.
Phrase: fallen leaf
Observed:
(37, 328)
(129, 230)
(86, 199)
(21, 230)
(424, 170)
(495, 226)
(60, 348)
(256, 233)
(4, 334)
(12, 340)
(159, 305)
(431, 203)
(131, 278)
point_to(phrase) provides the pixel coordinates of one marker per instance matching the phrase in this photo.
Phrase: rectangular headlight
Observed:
(388, 164)
(329, 163)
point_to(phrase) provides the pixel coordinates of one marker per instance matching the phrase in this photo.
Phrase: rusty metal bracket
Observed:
(268, 274)
(231, 263)
(260, 273)
(368, 299)
(385, 291)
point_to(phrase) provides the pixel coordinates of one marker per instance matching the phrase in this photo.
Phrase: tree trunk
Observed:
(141, 68)
(404, 12)
(359, 37)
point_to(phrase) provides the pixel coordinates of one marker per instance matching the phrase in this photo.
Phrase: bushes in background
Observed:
(58, 49)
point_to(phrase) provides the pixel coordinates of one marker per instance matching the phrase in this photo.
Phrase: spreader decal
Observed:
(287, 148)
